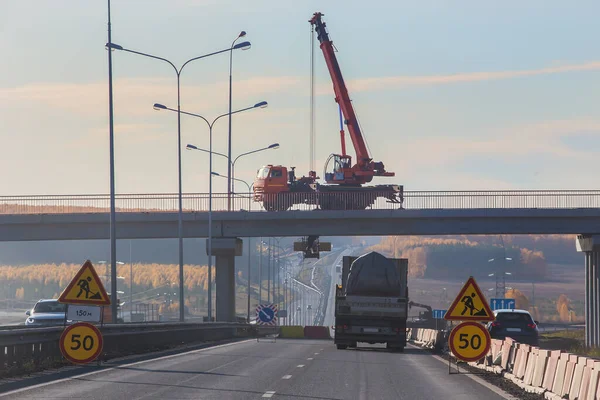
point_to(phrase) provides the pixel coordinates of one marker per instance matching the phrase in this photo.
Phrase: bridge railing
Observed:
(199, 202)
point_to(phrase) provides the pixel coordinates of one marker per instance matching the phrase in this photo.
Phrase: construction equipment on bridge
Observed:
(425, 320)
(311, 247)
(278, 189)
(371, 304)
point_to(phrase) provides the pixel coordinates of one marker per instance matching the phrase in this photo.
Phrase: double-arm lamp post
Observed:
(114, 46)
(157, 106)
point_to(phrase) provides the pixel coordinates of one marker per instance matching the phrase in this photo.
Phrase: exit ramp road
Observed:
(285, 369)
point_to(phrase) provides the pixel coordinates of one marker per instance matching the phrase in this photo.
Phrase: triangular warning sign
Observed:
(85, 288)
(469, 305)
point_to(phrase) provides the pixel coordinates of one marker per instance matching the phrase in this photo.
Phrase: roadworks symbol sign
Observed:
(85, 288)
(469, 305)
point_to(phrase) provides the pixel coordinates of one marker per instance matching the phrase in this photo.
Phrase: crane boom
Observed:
(341, 93)
(365, 169)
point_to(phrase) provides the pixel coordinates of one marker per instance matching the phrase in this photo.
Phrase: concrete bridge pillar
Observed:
(225, 250)
(590, 245)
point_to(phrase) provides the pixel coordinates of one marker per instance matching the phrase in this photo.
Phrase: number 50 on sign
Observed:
(469, 341)
(81, 343)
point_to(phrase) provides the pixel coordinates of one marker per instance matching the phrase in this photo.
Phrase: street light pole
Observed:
(110, 45)
(158, 106)
(113, 222)
(242, 34)
(232, 164)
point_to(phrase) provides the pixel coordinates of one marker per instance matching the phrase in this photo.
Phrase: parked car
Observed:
(46, 313)
(516, 324)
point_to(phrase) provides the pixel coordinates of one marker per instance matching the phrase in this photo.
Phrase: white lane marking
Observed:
(268, 394)
(310, 358)
(122, 366)
(477, 379)
(286, 377)
(316, 354)
(300, 366)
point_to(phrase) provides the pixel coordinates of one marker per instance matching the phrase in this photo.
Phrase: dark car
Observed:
(47, 313)
(516, 324)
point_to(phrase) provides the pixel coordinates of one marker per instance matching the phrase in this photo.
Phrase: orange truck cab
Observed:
(270, 180)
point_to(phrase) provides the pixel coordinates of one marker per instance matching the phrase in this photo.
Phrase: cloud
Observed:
(522, 141)
(392, 82)
(135, 96)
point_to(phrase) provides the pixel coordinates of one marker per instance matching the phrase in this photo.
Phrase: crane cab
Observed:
(270, 179)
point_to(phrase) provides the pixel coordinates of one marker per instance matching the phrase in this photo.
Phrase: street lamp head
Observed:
(191, 147)
(262, 104)
(159, 107)
(242, 34)
(215, 173)
(274, 146)
(113, 46)
(243, 46)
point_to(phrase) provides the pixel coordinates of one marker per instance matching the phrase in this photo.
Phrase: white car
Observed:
(47, 313)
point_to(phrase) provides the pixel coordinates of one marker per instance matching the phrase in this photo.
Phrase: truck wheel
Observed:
(341, 346)
(352, 345)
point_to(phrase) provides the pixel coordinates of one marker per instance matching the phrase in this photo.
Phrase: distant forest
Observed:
(448, 256)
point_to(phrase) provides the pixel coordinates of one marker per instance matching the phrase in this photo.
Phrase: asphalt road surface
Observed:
(285, 369)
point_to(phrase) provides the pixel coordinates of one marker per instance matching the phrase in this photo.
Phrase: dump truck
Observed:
(371, 304)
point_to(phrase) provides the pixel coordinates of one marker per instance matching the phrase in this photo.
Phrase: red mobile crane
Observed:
(279, 189)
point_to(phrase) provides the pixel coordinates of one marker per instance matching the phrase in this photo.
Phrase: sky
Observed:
(451, 95)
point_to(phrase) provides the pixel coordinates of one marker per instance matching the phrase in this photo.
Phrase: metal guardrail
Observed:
(39, 346)
(198, 202)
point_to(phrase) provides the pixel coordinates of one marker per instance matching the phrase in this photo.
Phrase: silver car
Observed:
(47, 313)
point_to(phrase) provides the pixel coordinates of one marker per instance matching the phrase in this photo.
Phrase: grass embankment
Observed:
(571, 341)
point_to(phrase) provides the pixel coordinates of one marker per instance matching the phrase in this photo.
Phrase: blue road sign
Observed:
(439, 314)
(266, 314)
(503, 304)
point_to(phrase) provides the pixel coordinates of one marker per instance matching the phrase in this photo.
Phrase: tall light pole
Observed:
(243, 46)
(157, 106)
(113, 222)
(260, 272)
(249, 269)
(273, 146)
(232, 163)
(229, 186)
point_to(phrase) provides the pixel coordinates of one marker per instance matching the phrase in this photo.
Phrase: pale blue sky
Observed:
(450, 94)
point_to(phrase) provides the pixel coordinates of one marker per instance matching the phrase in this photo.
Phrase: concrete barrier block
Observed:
(518, 358)
(507, 350)
(530, 368)
(577, 378)
(566, 389)
(561, 371)
(291, 332)
(551, 369)
(594, 388)
(540, 368)
(316, 332)
(585, 379)
(525, 354)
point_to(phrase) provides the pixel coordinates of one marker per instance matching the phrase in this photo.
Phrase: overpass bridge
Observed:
(143, 216)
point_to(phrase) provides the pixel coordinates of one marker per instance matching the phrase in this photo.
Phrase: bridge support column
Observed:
(225, 250)
(590, 245)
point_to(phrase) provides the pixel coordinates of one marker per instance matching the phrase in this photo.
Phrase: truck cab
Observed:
(270, 180)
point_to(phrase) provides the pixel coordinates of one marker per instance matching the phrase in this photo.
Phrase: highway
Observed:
(285, 369)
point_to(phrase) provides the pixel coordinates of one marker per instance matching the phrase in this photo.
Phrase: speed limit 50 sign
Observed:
(469, 341)
(81, 343)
